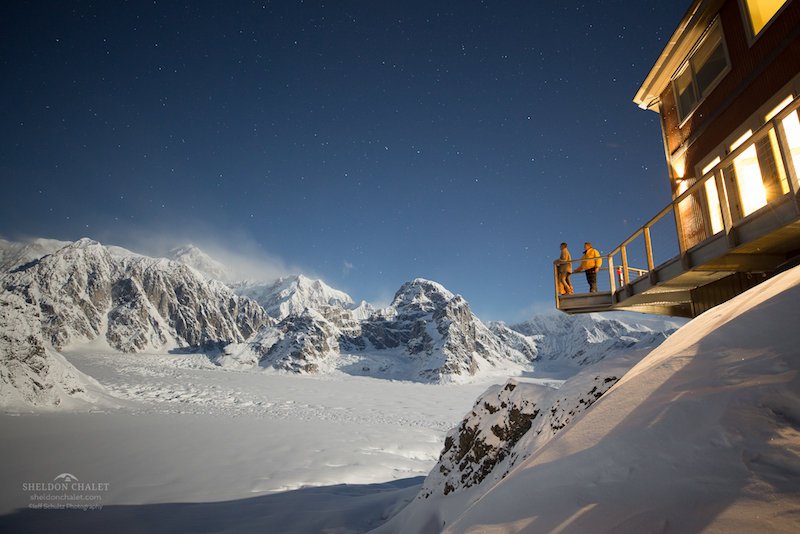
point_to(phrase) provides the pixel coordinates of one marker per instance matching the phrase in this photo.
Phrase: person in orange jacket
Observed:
(590, 263)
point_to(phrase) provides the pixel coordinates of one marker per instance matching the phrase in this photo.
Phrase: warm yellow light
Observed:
(761, 12)
(748, 177)
(791, 127)
(714, 211)
(712, 195)
(713, 163)
(679, 165)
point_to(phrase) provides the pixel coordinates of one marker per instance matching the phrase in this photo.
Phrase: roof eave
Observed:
(692, 25)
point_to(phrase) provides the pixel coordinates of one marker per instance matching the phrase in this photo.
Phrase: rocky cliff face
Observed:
(441, 332)
(30, 373)
(83, 291)
(508, 423)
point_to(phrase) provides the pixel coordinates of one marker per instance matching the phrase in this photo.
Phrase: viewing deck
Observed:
(735, 248)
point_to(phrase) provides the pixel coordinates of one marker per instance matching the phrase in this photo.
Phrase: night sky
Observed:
(366, 143)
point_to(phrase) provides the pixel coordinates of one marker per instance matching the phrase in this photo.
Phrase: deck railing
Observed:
(666, 228)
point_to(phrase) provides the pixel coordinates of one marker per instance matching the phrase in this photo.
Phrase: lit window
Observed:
(791, 126)
(712, 195)
(748, 177)
(701, 72)
(760, 12)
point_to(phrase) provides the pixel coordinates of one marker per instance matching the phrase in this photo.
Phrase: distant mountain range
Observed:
(72, 294)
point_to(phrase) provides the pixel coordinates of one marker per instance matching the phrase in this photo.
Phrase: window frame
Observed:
(683, 116)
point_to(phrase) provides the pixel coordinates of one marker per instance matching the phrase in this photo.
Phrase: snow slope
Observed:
(703, 435)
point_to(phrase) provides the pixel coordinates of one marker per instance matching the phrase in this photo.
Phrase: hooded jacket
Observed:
(590, 260)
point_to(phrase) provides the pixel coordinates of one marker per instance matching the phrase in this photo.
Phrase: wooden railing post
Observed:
(625, 277)
(555, 282)
(685, 261)
(648, 245)
(611, 275)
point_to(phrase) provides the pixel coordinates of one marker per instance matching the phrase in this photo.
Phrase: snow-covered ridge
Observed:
(293, 294)
(14, 254)
(588, 338)
(84, 291)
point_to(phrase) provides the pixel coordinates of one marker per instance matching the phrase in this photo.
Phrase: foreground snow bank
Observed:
(703, 435)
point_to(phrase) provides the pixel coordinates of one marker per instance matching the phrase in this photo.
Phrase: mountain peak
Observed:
(83, 243)
(198, 260)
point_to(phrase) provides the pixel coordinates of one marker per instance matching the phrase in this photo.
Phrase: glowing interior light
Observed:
(773, 141)
(791, 126)
(761, 12)
(748, 177)
(679, 165)
(712, 195)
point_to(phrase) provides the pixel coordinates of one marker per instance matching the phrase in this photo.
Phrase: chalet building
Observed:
(727, 89)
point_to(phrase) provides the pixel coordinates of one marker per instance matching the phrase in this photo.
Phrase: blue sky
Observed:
(364, 143)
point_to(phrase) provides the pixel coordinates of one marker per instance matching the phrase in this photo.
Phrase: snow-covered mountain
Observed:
(198, 260)
(586, 339)
(426, 334)
(85, 291)
(441, 332)
(14, 254)
(296, 293)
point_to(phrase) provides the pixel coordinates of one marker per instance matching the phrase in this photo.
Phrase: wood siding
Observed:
(755, 76)
(715, 293)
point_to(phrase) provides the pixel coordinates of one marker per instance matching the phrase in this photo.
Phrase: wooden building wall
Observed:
(756, 74)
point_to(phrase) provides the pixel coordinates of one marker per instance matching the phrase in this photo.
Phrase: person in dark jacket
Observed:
(564, 263)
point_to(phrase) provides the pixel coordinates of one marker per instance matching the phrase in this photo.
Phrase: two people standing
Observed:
(590, 264)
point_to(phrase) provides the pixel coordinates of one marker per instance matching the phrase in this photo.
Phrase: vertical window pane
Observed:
(712, 195)
(685, 89)
(748, 177)
(761, 12)
(714, 211)
(709, 62)
(773, 139)
(791, 125)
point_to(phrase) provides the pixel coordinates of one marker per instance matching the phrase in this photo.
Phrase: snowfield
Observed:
(186, 431)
